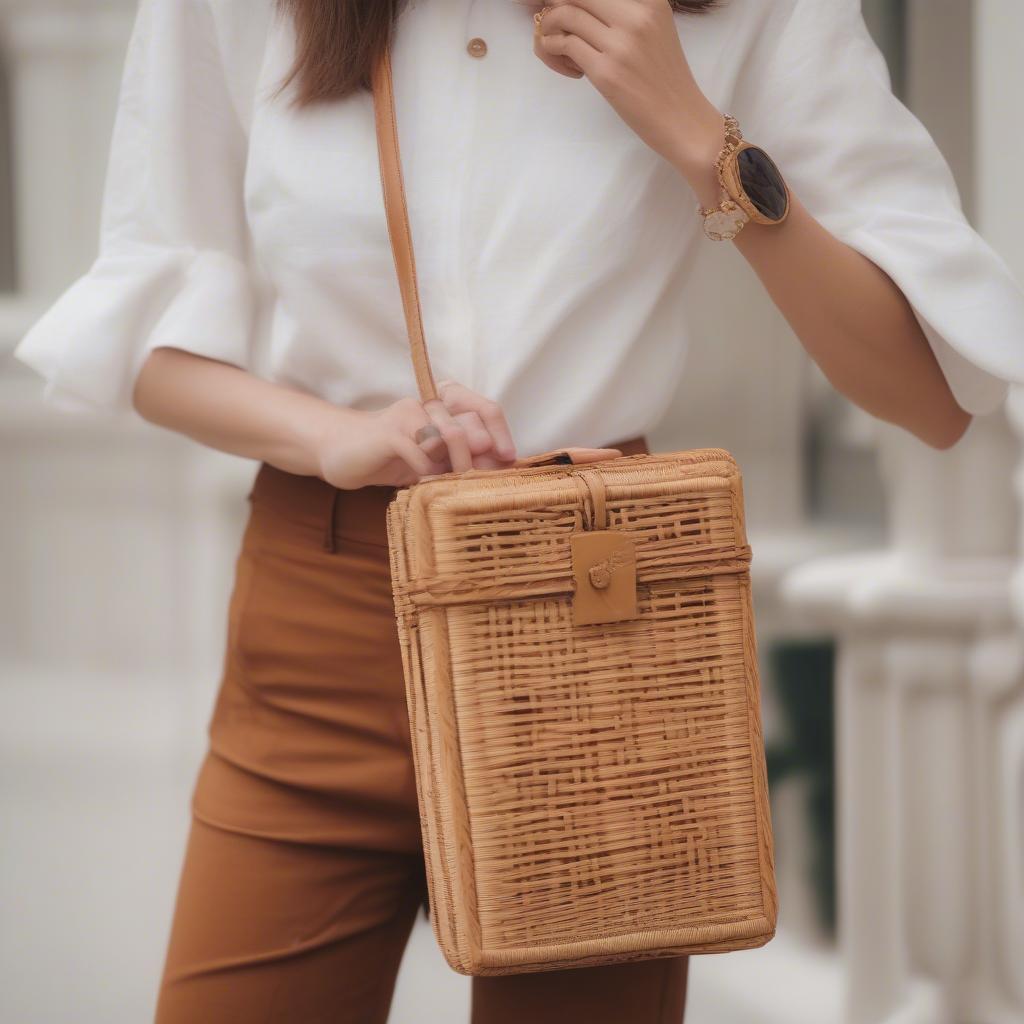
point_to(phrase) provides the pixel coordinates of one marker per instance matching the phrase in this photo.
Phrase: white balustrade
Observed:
(930, 709)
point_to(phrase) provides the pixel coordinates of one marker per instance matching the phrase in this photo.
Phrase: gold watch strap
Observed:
(733, 137)
(730, 210)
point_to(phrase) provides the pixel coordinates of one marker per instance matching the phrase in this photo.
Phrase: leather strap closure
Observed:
(595, 511)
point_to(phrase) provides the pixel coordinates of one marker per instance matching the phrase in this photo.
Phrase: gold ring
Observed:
(539, 17)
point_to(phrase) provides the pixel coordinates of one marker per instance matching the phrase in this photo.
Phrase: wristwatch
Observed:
(752, 188)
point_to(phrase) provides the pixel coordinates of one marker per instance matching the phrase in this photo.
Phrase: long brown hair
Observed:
(337, 42)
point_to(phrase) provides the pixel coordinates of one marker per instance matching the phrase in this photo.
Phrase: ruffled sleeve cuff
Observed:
(818, 97)
(90, 345)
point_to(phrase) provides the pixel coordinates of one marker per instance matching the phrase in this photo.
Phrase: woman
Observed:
(245, 295)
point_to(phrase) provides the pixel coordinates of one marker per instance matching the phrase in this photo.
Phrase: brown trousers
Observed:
(303, 872)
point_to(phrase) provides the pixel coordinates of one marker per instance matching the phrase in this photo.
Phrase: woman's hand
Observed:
(380, 446)
(231, 409)
(630, 52)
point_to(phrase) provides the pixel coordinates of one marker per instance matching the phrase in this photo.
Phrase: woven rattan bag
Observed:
(581, 677)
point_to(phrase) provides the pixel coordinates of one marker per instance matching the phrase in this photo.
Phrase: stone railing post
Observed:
(930, 716)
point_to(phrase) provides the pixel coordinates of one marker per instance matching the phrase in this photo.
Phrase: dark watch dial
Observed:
(762, 182)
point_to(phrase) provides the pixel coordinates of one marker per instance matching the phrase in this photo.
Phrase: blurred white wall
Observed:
(117, 542)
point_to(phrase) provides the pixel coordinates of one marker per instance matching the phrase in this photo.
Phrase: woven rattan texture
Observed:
(589, 793)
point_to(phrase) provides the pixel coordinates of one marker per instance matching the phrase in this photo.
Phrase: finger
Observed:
(611, 12)
(415, 457)
(562, 65)
(490, 461)
(563, 44)
(412, 418)
(458, 398)
(477, 435)
(433, 445)
(454, 436)
(576, 21)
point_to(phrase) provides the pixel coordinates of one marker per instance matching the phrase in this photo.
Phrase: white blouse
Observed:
(552, 244)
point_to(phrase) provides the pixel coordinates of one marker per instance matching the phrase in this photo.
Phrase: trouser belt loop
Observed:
(332, 504)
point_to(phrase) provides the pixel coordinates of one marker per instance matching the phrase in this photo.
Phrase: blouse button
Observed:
(476, 47)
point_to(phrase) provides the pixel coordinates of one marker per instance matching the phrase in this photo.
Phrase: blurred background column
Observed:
(930, 702)
(116, 541)
(89, 498)
(998, 986)
(63, 66)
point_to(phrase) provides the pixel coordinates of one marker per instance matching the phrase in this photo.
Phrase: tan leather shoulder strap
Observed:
(398, 222)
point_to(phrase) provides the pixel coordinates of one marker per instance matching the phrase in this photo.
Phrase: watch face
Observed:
(762, 182)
